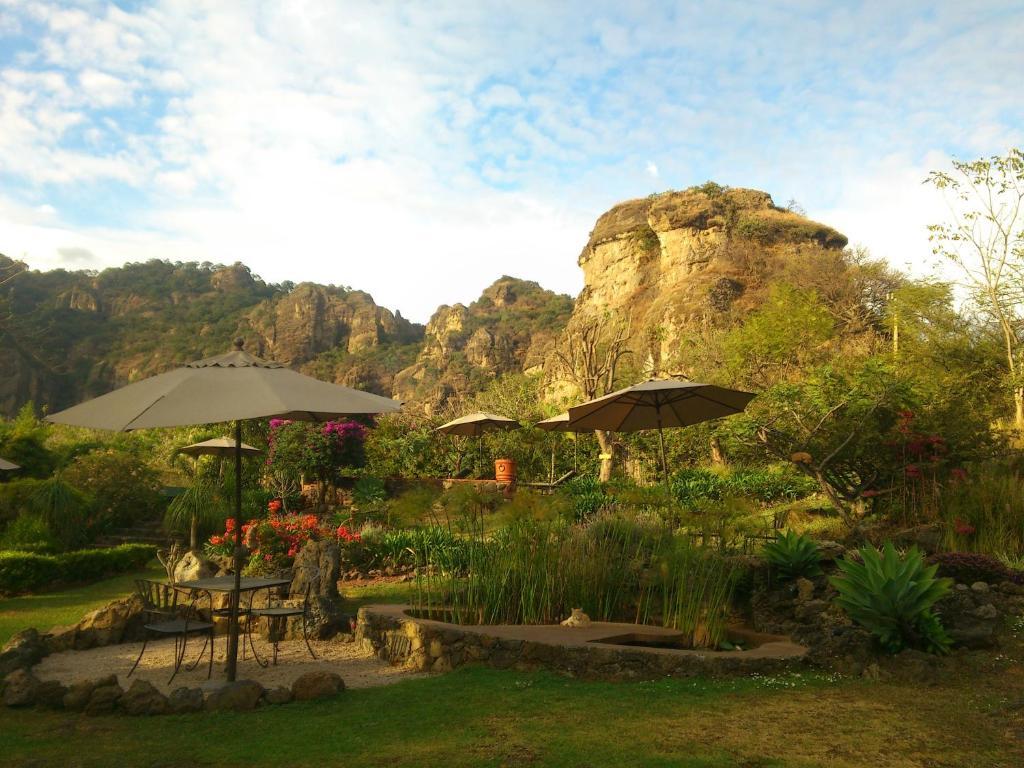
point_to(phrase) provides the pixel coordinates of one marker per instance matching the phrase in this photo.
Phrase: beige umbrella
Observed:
(218, 446)
(560, 423)
(8, 466)
(231, 387)
(657, 404)
(475, 424)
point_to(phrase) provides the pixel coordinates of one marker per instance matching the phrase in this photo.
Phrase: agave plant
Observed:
(792, 556)
(892, 597)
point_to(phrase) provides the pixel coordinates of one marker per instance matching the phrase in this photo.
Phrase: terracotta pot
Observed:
(505, 470)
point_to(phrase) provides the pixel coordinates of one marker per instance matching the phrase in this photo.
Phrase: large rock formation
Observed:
(682, 259)
(510, 328)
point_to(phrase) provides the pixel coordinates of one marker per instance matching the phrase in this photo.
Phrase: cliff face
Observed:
(680, 260)
(510, 328)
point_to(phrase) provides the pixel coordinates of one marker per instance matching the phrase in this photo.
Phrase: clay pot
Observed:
(505, 470)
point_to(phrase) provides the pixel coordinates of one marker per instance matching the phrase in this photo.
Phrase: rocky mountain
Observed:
(677, 262)
(674, 264)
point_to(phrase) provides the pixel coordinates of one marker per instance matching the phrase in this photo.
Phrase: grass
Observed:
(51, 609)
(485, 717)
(379, 592)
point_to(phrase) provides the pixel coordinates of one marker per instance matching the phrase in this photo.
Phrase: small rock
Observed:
(986, 611)
(78, 695)
(979, 586)
(443, 664)
(22, 651)
(280, 695)
(962, 587)
(194, 566)
(60, 639)
(20, 688)
(577, 619)
(143, 699)
(103, 699)
(315, 685)
(184, 700)
(238, 696)
(50, 694)
(804, 589)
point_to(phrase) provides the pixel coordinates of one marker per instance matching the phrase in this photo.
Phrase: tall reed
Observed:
(615, 569)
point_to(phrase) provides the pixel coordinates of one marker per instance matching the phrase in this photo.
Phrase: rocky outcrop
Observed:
(679, 260)
(312, 319)
(511, 328)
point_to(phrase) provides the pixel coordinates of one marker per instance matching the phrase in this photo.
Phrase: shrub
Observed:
(586, 497)
(64, 509)
(14, 498)
(368, 491)
(969, 567)
(28, 533)
(32, 572)
(983, 511)
(123, 487)
(892, 597)
(793, 555)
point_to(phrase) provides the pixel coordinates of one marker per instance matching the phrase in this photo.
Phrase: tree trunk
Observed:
(604, 440)
(1018, 409)
(717, 455)
(193, 535)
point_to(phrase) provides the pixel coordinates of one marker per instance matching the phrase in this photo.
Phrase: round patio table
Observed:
(250, 584)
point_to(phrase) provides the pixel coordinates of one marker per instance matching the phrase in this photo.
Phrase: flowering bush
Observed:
(273, 542)
(313, 451)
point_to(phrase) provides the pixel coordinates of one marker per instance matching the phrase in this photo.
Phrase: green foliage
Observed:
(615, 569)
(124, 488)
(368, 491)
(586, 496)
(769, 485)
(984, 512)
(29, 533)
(892, 596)
(792, 556)
(23, 441)
(201, 508)
(64, 509)
(31, 572)
(15, 496)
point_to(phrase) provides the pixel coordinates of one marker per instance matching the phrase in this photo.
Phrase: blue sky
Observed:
(418, 151)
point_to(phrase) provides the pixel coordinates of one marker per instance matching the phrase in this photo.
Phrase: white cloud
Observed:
(419, 152)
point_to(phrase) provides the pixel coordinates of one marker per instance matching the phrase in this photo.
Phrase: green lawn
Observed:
(67, 607)
(485, 717)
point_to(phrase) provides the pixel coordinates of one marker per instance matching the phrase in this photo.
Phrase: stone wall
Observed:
(436, 647)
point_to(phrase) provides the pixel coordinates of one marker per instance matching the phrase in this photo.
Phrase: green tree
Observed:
(985, 239)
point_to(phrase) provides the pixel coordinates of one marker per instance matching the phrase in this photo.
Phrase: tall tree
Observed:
(985, 239)
(589, 355)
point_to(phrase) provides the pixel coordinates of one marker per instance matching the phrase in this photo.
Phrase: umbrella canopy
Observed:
(8, 466)
(218, 446)
(559, 423)
(232, 387)
(657, 404)
(475, 424)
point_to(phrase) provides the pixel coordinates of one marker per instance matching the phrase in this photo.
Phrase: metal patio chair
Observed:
(171, 612)
(278, 616)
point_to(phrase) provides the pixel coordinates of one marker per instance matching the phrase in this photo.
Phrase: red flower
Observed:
(957, 474)
(962, 527)
(274, 505)
(913, 471)
(216, 540)
(870, 494)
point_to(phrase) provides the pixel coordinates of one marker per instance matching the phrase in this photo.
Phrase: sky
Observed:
(418, 151)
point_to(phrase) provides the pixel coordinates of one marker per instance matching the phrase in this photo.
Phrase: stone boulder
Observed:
(316, 685)
(184, 700)
(115, 622)
(280, 695)
(103, 700)
(20, 688)
(22, 651)
(194, 566)
(317, 566)
(50, 694)
(60, 639)
(142, 698)
(239, 696)
(969, 617)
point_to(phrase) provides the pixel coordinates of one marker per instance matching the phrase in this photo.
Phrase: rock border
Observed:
(426, 645)
(105, 696)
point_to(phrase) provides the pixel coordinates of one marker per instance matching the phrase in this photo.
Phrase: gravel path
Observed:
(356, 667)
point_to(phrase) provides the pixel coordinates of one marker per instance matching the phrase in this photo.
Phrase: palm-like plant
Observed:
(792, 556)
(892, 596)
(199, 506)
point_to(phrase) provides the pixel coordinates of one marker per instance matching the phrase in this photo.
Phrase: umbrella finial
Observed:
(239, 343)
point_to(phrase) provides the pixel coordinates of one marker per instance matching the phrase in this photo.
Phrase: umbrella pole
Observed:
(232, 665)
(552, 480)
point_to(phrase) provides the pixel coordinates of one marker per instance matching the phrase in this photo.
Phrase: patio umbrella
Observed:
(8, 466)
(235, 386)
(560, 423)
(218, 446)
(475, 424)
(657, 404)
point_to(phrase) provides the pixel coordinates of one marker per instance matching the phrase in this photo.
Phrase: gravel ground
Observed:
(356, 667)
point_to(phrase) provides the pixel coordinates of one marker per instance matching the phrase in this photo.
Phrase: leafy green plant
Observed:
(793, 555)
(32, 571)
(368, 491)
(892, 596)
(586, 496)
(63, 508)
(199, 509)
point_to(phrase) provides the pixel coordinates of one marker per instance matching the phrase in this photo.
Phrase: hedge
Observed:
(32, 572)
